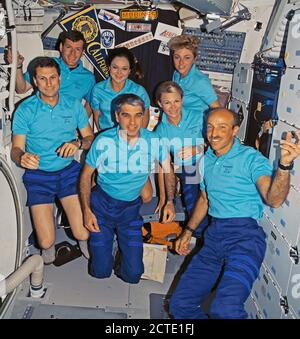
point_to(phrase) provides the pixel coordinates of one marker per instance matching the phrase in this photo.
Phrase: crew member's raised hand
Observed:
(20, 58)
(289, 150)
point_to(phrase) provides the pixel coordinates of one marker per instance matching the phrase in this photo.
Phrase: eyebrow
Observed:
(54, 74)
(129, 113)
(220, 124)
(113, 64)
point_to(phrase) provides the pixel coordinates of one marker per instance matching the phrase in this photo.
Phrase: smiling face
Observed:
(130, 119)
(119, 69)
(221, 131)
(47, 81)
(171, 104)
(183, 59)
(71, 52)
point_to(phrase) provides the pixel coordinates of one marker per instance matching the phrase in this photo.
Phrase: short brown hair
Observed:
(184, 41)
(42, 62)
(73, 36)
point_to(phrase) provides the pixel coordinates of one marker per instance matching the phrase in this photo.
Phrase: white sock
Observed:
(83, 245)
(48, 255)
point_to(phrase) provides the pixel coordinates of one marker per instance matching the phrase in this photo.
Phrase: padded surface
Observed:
(158, 306)
(32, 310)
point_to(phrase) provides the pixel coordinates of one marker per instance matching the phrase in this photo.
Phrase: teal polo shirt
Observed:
(103, 95)
(46, 128)
(230, 182)
(76, 82)
(187, 133)
(198, 93)
(122, 169)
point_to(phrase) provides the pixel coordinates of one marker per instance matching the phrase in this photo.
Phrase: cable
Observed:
(29, 18)
(24, 12)
(63, 12)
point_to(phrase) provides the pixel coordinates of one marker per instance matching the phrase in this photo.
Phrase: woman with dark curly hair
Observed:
(122, 66)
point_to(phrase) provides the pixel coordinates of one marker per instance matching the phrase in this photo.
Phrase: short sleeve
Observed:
(259, 166)
(82, 118)
(207, 93)
(159, 146)
(158, 130)
(88, 97)
(201, 174)
(202, 186)
(163, 150)
(144, 95)
(91, 158)
(102, 154)
(95, 98)
(20, 121)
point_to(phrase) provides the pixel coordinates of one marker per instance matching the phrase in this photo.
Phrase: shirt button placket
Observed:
(216, 167)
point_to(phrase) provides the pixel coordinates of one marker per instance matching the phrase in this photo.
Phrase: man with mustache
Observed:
(237, 179)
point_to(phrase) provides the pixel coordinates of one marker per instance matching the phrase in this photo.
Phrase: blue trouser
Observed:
(190, 192)
(122, 218)
(235, 244)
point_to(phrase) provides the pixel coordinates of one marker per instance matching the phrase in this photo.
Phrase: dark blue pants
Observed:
(235, 244)
(189, 180)
(122, 218)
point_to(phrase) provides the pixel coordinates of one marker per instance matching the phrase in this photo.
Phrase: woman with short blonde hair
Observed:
(198, 91)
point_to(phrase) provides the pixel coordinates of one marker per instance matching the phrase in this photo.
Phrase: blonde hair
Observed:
(184, 41)
(167, 87)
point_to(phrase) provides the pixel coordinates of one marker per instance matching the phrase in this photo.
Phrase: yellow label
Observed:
(138, 15)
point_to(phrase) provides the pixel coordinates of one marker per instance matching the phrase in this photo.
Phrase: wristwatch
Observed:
(286, 168)
(188, 228)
